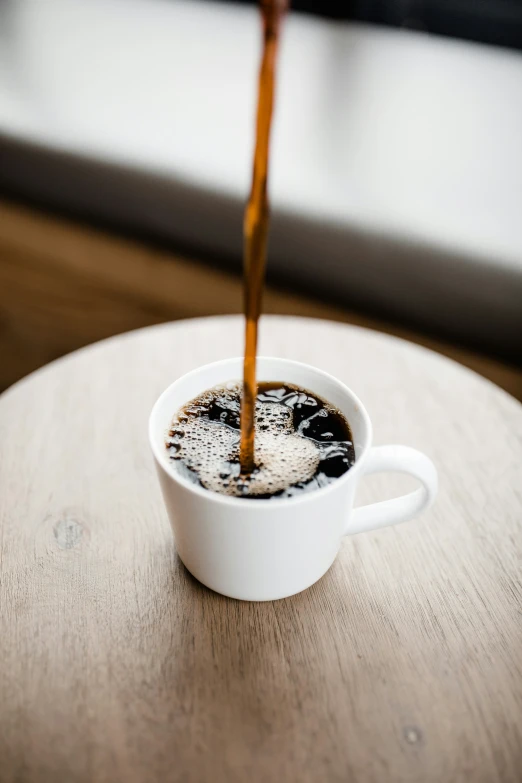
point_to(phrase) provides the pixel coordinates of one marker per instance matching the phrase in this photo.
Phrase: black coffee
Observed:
(302, 442)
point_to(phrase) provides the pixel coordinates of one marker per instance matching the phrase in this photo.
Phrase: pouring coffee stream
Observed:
(256, 224)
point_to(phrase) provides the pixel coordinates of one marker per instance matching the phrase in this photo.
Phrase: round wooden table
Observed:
(404, 663)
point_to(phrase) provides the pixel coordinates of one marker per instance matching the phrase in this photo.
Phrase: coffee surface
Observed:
(302, 442)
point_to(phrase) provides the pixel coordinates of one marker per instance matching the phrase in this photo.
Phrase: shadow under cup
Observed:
(257, 549)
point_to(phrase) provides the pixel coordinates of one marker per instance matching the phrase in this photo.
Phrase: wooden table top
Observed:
(404, 663)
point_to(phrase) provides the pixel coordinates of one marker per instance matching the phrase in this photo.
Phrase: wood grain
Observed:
(403, 664)
(63, 286)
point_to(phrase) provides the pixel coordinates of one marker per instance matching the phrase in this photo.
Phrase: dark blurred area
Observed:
(497, 22)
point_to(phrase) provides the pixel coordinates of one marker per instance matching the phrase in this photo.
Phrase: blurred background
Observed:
(126, 134)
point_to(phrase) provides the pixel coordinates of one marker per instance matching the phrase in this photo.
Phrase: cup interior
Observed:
(268, 369)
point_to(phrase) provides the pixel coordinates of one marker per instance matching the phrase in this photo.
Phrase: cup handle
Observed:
(401, 459)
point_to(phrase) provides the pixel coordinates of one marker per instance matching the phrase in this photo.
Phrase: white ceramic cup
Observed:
(261, 550)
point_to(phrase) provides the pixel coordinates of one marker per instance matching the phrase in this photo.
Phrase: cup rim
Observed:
(216, 497)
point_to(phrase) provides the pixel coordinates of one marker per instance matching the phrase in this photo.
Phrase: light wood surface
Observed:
(64, 285)
(403, 664)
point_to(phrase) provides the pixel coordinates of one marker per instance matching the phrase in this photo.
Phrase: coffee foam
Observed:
(211, 449)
